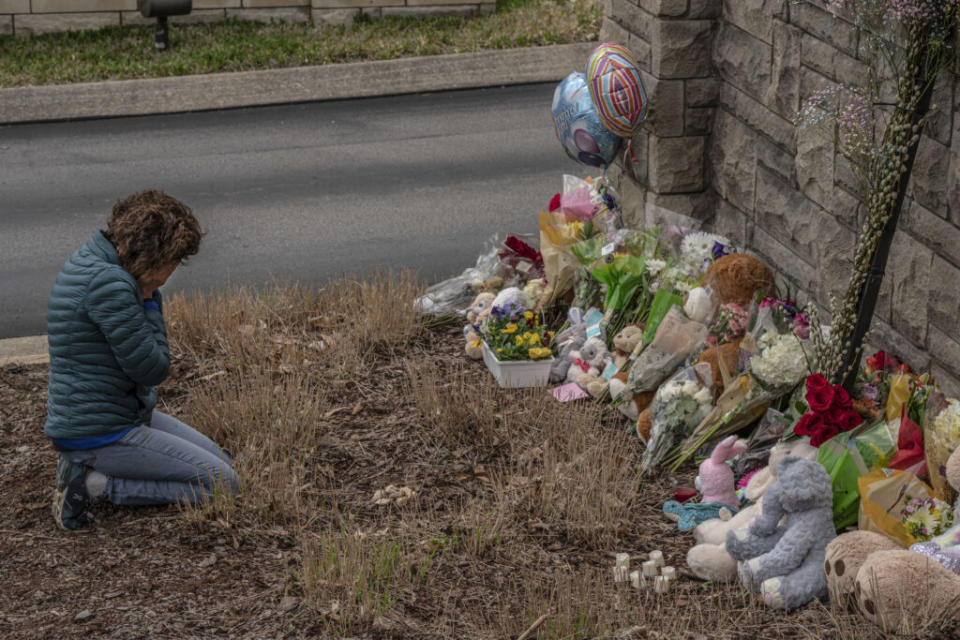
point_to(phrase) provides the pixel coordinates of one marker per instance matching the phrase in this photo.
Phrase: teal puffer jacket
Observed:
(106, 351)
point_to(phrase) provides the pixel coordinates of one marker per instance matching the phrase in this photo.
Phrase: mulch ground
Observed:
(152, 573)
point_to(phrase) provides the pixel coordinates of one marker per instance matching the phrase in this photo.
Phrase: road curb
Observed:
(28, 350)
(299, 84)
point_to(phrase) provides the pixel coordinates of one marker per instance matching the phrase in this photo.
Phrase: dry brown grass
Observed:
(521, 503)
(354, 581)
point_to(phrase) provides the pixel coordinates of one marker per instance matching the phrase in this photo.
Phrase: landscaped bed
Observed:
(117, 53)
(516, 507)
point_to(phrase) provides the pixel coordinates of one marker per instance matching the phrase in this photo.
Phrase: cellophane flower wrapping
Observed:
(941, 438)
(622, 277)
(586, 209)
(678, 406)
(676, 338)
(500, 260)
(557, 235)
(847, 457)
(766, 434)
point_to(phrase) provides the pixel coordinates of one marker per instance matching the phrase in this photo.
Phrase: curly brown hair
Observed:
(151, 230)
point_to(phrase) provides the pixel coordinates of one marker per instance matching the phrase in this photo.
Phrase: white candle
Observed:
(656, 556)
(669, 573)
(623, 560)
(620, 574)
(635, 579)
(661, 584)
(650, 569)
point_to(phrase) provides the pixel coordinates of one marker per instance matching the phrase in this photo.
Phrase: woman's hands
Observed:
(153, 280)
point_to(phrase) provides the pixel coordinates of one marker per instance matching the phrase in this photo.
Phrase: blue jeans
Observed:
(162, 463)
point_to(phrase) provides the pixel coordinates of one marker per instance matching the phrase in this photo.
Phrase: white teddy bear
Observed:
(589, 360)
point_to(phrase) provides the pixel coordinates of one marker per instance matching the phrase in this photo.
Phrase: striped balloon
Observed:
(616, 89)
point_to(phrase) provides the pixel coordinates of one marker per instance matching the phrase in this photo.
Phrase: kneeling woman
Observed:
(108, 348)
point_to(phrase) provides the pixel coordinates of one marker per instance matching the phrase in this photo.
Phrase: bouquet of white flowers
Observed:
(697, 251)
(783, 361)
(678, 406)
(941, 438)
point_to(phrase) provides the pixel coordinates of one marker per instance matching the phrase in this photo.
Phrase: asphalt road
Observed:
(299, 192)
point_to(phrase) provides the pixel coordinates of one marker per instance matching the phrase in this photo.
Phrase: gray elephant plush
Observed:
(784, 562)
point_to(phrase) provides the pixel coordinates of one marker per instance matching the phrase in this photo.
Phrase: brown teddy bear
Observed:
(645, 420)
(633, 407)
(729, 354)
(738, 278)
(625, 343)
(893, 587)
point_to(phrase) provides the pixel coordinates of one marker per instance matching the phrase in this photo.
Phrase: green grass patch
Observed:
(115, 53)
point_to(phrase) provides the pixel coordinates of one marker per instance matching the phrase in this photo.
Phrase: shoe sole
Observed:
(59, 502)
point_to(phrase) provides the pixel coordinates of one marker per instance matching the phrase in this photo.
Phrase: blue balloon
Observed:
(578, 126)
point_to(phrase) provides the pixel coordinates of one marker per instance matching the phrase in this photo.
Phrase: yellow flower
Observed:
(537, 353)
(519, 340)
(510, 328)
(533, 339)
(528, 315)
(573, 230)
(475, 343)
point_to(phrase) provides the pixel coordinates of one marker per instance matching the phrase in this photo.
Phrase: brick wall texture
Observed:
(29, 17)
(725, 79)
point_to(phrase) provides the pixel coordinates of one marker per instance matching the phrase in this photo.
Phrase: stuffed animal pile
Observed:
(897, 588)
(709, 558)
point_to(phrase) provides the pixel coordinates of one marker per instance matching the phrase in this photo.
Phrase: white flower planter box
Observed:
(513, 374)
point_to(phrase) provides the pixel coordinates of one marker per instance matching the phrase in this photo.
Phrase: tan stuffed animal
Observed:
(477, 312)
(635, 406)
(625, 342)
(895, 588)
(708, 559)
(729, 354)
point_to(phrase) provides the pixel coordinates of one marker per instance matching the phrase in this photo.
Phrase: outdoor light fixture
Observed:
(161, 9)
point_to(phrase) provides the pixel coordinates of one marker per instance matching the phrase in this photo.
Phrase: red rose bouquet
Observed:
(831, 411)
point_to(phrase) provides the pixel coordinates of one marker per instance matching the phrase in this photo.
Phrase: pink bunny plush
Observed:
(715, 480)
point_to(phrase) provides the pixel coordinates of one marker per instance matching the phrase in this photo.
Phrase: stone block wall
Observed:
(672, 41)
(726, 79)
(29, 17)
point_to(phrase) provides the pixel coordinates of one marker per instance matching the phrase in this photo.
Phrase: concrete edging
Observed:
(29, 350)
(179, 94)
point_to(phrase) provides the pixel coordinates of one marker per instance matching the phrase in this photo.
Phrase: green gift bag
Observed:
(847, 457)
